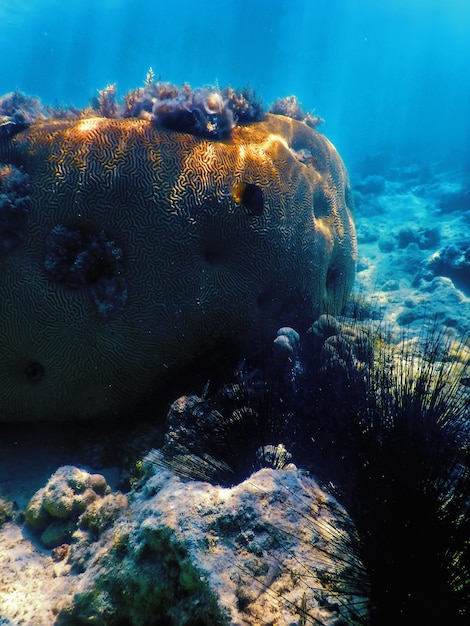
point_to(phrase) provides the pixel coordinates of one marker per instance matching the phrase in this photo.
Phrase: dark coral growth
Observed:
(276, 457)
(18, 111)
(202, 430)
(371, 184)
(14, 204)
(454, 263)
(206, 112)
(106, 104)
(201, 112)
(109, 295)
(290, 107)
(254, 407)
(7, 511)
(86, 259)
(244, 104)
(455, 201)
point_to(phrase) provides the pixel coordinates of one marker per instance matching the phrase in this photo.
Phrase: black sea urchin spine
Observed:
(385, 427)
(397, 430)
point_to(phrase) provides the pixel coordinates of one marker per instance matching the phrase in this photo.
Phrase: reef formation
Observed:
(325, 479)
(297, 491)
(139, 237)
(384, 426)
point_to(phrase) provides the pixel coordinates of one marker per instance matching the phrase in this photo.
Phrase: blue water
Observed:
(393, 74)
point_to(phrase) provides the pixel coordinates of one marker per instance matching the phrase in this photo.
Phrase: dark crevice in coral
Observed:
(321, 204)
(333, 277)
(250, 196)
(35, 372)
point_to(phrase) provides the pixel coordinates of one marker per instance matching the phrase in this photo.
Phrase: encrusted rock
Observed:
(263, 551)
(273, 549)
(72, 498)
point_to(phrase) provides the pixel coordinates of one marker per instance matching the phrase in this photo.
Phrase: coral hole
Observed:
(34, 371)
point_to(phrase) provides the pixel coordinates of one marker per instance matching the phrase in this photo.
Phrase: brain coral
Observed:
(136, 257)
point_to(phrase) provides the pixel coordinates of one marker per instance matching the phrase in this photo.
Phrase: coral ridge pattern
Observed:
(135, 257)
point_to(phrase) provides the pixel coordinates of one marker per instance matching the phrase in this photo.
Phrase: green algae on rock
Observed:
(72, 499)
(268, 549)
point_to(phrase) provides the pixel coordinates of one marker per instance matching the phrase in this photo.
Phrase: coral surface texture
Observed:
(138, 249)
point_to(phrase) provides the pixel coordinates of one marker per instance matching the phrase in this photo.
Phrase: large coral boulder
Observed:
(128, 250)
